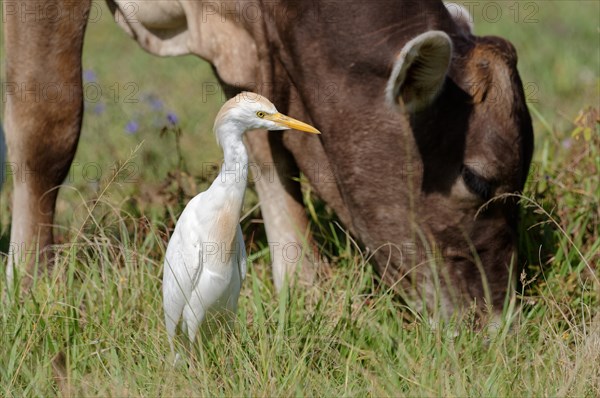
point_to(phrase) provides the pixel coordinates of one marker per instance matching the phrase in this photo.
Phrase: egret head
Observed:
(250, 111)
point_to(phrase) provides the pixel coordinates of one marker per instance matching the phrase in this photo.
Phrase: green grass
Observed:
(94, 326)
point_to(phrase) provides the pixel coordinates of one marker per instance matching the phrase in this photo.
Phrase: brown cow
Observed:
(422, 123)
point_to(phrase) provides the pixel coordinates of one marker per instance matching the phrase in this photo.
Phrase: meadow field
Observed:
(94, 327)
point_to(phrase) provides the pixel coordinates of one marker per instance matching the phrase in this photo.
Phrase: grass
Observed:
(94, 326)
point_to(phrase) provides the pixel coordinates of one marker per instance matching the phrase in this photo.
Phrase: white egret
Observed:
(205, 262)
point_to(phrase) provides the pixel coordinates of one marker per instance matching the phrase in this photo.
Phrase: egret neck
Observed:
(230, 188)
(234, 171)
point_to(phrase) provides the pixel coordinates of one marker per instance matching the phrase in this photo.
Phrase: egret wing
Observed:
(183, 263)
(190, 231)
(178, 274)
(242, 257)
(196, 265)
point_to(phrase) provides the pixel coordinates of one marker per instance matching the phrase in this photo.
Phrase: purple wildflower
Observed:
(89, 75)
(172, 118)
(132, 127)
(99, 108)
(156, 104)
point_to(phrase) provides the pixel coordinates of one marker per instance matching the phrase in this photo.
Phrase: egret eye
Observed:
(261, 114)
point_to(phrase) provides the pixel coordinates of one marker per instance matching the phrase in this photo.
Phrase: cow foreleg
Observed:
(282, 209)
(43, 113)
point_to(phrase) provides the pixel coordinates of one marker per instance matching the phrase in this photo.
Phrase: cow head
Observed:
(430, 125)
(473, 132)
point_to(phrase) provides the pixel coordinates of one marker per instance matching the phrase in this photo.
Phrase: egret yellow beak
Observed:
(291, 123)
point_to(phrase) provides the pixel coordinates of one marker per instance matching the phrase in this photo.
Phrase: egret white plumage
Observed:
(205, 262)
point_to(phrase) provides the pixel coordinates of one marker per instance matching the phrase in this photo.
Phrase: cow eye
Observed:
(476, 183)
(261, 114)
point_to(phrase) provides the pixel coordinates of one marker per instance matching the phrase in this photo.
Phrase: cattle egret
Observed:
(205, 262)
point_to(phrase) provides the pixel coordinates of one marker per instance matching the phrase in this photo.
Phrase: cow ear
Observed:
(461, 16)
(419, 71)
